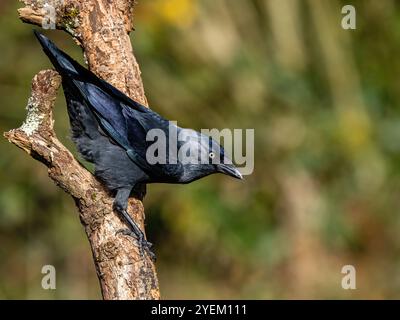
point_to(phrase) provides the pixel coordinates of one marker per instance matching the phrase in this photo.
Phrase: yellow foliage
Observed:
(177, 12)
(355, 130)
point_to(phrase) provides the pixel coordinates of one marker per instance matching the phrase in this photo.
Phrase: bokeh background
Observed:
(324, 103)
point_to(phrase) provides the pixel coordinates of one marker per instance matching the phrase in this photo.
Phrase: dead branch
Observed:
(101, 27)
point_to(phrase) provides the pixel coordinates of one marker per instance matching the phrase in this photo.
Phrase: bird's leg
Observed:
(139, 191)
(120, 205)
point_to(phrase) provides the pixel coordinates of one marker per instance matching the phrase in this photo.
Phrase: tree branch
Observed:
(101, 27)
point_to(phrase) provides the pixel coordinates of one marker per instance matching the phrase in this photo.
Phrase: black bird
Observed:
(110, 129)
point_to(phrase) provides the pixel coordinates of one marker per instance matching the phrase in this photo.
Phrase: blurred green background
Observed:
(324, 103)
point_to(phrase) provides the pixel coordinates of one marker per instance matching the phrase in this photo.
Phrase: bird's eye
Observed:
(211, 155)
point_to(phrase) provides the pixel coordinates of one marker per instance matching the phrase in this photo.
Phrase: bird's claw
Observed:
(143, 244)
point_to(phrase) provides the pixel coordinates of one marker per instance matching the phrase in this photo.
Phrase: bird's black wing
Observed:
(129, 127)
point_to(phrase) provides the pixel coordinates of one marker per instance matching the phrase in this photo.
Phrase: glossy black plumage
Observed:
(109, 130)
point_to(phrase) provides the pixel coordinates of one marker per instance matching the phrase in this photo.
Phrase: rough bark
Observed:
(102, 29)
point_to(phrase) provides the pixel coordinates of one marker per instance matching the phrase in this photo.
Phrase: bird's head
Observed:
(220, 161)
(204, 156)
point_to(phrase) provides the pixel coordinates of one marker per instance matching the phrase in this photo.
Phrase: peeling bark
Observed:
(102, 29)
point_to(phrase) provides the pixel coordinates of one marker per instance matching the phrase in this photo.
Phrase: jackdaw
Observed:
(111, 130)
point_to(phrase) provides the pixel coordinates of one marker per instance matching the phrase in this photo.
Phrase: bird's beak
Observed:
(230, 170)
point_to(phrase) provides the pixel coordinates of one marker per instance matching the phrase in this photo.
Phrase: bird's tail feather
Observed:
(70, 69)
(62, 62)
(84, 127)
